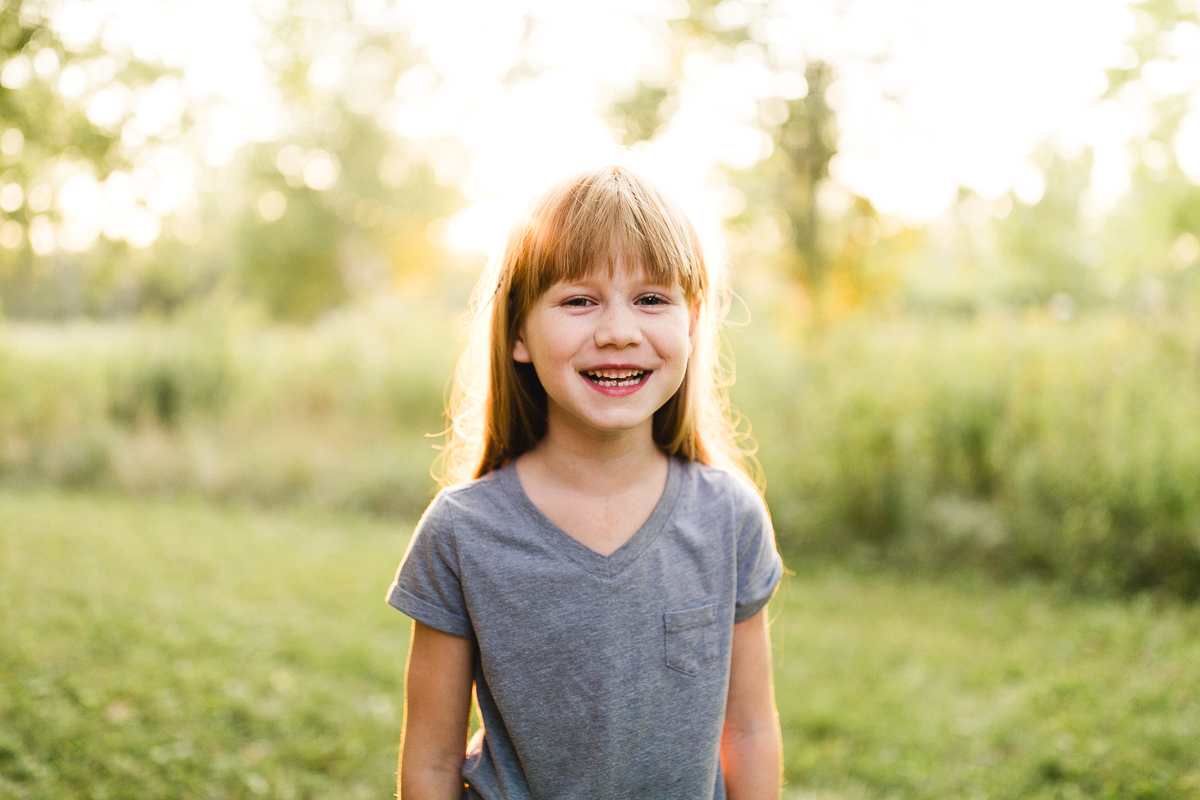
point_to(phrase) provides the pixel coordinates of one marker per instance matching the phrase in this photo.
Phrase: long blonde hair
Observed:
(497, 406)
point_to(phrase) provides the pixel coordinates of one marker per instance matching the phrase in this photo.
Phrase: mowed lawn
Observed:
(176, 649)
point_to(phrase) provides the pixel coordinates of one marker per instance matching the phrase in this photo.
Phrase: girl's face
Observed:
(609, 351)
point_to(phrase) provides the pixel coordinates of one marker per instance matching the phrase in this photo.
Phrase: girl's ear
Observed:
(520, 351)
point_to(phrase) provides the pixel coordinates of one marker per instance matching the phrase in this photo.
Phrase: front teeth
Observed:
(616, 377)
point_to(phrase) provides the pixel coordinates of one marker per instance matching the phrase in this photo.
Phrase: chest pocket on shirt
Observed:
(690, 638)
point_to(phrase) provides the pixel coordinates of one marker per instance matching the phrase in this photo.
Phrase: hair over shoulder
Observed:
(497, 408)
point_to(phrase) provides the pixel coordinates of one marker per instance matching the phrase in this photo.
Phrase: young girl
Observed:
(601, 581)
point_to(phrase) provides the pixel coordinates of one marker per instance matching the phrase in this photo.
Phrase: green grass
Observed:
(893, 686)
(185, 650)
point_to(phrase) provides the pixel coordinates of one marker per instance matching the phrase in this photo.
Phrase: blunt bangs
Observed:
(597, 221)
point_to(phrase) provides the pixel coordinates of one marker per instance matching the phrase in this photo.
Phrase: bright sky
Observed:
(930, 95)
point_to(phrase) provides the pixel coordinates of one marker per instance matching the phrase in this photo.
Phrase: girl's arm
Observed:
(750, 742)
(437, 708)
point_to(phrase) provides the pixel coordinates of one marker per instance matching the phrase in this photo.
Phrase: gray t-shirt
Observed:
(598, 678)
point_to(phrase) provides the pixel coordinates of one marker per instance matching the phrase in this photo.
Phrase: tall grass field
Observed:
(1012, 442)
(174, 648)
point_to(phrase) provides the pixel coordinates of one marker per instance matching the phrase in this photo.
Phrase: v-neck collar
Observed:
(605, 566)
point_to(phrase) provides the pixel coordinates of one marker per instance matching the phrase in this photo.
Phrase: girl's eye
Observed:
(577, 302)
(652, 300)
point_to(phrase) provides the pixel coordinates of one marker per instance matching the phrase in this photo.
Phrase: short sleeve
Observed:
(759, 567)
(428, 586)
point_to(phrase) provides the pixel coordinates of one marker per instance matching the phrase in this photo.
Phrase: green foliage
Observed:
(351, 239)
(1042, 248)
(337, 415)
(167, 377)
(806, 144)
(292, 266)
(638, 115)
(371, 225)
(57, 139)
(50, 126)
(343, 233)
(1022, 445)
(165, 649)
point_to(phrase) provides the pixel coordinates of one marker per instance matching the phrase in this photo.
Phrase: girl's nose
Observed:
(618, 327)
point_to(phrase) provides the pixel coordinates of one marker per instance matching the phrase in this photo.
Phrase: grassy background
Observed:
(174, 648)
(156, 650)
(334, 415)
(1017, 444)
(1014, 443)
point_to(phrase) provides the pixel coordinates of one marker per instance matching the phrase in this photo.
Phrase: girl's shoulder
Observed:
(495, 482)
(479, 495)
(467, 489)
(728, 503)
(719, 493)
(729, 484)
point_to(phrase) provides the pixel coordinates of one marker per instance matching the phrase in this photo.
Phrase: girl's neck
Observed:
(599, 491)
(588, 464)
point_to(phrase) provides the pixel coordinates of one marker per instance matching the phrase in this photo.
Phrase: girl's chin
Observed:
(603, 426)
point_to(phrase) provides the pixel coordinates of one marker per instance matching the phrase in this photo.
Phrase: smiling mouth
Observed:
(616, 378)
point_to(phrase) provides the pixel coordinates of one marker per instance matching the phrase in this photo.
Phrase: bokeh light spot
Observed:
(12, 197)
(12, 142)
(272, 205)
(11, 234)
(16, 73)
(321, 170)
(42, 239)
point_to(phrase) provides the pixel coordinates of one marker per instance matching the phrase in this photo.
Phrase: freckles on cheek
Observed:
(545, 341)
(556, 336)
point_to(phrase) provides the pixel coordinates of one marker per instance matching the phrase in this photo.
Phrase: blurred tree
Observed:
(331, 207)
(41, 131)
(805, 143)
(781, 191)
(1065, 250)
(637, 116)
(299, 219)
(1151, 243)
(334, 201)
(786, 184)
(1042, 247)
